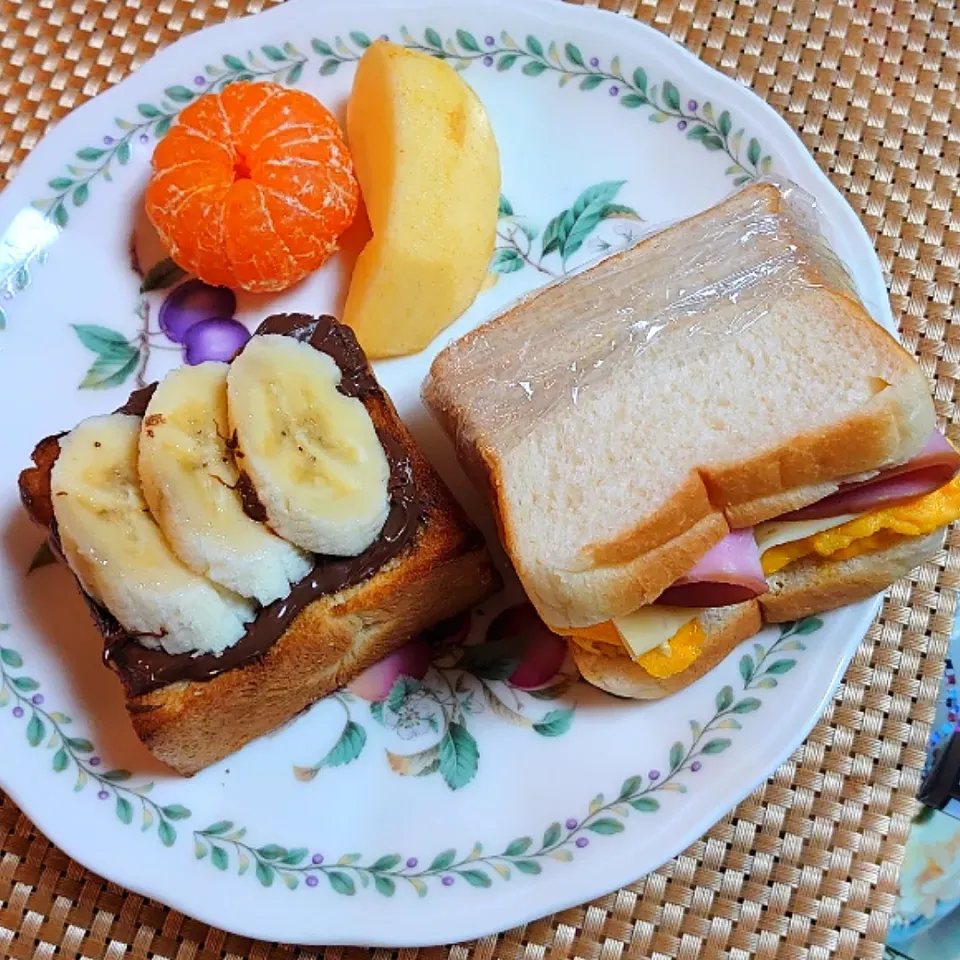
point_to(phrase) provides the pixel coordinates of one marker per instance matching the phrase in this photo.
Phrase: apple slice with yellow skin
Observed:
(429, 169)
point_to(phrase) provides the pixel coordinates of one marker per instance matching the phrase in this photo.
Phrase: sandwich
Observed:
(250, 536)
(703, 432)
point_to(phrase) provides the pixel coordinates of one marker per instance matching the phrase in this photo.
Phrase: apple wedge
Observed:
(429, 169)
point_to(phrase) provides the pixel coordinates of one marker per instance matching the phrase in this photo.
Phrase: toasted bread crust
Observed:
(444, 570)
(192, 725)
(814, 586)
(724, 628)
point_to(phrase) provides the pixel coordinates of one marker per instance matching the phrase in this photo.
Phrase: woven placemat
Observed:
(806, 867)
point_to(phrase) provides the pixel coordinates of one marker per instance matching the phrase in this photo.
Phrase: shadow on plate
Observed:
(52, 612)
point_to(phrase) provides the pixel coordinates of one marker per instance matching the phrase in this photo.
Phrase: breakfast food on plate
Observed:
(189, 481)
(251, 536)
(312, 453)
(701, 432)
(428, 164)
(252, 187)
(118, 553)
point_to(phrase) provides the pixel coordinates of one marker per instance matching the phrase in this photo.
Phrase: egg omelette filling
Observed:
(668, 651)
(867, 533)
(871, 532)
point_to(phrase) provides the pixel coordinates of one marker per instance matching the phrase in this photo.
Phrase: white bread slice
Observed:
(614, 460)
(609, 669)
(815, 585)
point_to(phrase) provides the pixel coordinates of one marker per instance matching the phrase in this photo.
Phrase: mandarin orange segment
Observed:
(297, 179)
(252, 187)
(241, 101)
(299, 111)
(300, 239)
(301, 143)
(260, 258)
(203, 222)
(182, 146)
(207, 118)
(169, 191)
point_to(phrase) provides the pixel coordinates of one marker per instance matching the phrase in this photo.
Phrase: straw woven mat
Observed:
(807, 866)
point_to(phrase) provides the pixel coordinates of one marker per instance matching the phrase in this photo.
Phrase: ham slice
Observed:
(935, 465)
(730, 573)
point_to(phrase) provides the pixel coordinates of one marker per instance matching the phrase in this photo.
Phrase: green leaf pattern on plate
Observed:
(45, 728)
(604, 817)
(115, 357)
(699, 121)
(521, 243)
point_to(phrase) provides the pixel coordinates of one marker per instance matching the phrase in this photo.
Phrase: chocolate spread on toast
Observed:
(142, 669)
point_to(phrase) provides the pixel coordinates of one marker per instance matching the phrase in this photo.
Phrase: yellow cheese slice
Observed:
(647, 628)
(773, 533)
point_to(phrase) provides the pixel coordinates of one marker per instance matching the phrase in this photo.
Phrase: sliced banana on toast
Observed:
(189, 478)
(120, 555)
(312, 454)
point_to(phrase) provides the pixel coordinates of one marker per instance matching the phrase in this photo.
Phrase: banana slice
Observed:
(312, 454)
(119, 554)
(189, 478)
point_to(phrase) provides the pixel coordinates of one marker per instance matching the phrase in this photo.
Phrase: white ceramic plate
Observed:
(525, 804)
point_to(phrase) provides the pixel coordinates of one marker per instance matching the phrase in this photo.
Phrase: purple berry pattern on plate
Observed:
(191, 303)
(216, 338)
(194, 319)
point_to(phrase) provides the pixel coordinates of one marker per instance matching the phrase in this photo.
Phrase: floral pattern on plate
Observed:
(454, 757)
(434, 686)
(227, 845)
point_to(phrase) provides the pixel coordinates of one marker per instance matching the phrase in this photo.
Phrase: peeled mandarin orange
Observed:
(252, 187)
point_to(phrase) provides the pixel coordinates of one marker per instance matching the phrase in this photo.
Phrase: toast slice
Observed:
(719, 373)
(189, 724)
